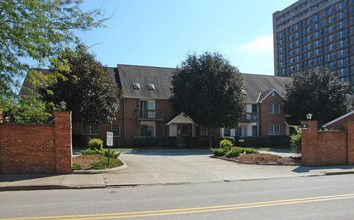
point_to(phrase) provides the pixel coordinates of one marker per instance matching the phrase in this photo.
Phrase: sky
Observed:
(162, 32)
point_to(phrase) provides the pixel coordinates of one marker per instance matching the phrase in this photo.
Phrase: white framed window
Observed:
(203, 131)
(227, 132)
(273, 130)
(116, 130)
(254, 130)
(185, 130)
(147, 108)
(147, 130)
(273, 108)
(93, 129)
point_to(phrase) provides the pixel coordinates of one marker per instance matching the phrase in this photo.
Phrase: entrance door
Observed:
(183, 130)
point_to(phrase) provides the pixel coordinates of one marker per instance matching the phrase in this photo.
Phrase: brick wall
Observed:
(266, 119)
(36, 148)
(321, 148)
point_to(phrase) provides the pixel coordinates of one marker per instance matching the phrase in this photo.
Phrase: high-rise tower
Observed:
(315, 34)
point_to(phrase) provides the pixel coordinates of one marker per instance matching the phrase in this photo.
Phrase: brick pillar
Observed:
(350, 141)
(63, 147)
(309, 143)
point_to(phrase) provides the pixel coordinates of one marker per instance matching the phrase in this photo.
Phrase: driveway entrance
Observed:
(188, 166)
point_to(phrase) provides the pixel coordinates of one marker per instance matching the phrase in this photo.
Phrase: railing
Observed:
(249, 117)
(119, 142)
(149, 115)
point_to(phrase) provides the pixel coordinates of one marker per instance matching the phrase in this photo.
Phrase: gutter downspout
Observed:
(125, 122)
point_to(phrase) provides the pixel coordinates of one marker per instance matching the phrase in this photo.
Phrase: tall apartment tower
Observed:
(315, 34)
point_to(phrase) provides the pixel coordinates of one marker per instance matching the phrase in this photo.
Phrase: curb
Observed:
(124, 166)
(338, 172)
(255, 163)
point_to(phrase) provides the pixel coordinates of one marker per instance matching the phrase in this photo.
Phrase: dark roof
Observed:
(144, 75)
(254, 85)
(258, 86)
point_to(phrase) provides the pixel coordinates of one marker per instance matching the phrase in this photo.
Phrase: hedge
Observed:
(149, 141)
(258, 141)
(266, 141)
(191, 142)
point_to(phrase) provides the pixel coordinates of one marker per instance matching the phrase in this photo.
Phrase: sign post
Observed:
(109, 142)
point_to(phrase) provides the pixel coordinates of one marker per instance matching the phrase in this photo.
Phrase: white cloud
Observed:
(259, 46)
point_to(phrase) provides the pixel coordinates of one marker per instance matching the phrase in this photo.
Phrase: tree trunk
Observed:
(87, 138)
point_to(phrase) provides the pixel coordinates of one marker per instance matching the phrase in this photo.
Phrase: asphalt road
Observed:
(321, 197)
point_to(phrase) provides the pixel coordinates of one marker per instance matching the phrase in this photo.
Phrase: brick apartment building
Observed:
(315, 34)
(145, 109)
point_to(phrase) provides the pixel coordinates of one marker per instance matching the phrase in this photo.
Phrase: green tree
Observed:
(36, 30)
(317, 92)
(87, 88)
(209, 90)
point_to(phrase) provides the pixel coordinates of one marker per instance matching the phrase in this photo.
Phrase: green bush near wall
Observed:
(267, 141)
(280, 141)
(191, 142)
(258, 141)
(150, 141)
(172, 141)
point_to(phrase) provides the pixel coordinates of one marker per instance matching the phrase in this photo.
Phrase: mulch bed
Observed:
(267, 159)
(86, 161)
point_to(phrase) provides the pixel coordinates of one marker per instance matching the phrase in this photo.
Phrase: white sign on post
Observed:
(109, 138)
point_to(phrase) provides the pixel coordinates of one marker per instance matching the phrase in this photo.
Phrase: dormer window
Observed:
(151, 86)
(136, 86)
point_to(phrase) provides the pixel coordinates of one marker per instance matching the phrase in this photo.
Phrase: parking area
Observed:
(189, 166)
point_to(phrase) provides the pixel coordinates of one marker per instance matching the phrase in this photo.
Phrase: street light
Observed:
(308, 116)
(63, 105)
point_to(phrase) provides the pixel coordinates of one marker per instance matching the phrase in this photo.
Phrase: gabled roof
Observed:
(259, 86)
(337, 119)
(265, 94)
(144, 75)
(181, 118)
(254, 85)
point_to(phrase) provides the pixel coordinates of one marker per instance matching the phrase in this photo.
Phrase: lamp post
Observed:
(308, 116)
(63, 105)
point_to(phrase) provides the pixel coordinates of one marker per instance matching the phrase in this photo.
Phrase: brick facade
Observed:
(321, 148)
(266, 119)
(36, 148)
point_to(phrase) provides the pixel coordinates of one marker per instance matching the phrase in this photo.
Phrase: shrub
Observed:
(90, 152)
(95, 144)
(103, 163)
(249, 151)
(112, 154)
(219, 139)
(225, 144)
(295, 140)
(236, 148)
(233, 153)
(219, 151)
(76, 166)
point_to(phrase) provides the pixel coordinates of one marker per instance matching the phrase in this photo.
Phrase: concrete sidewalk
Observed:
(164, 167)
